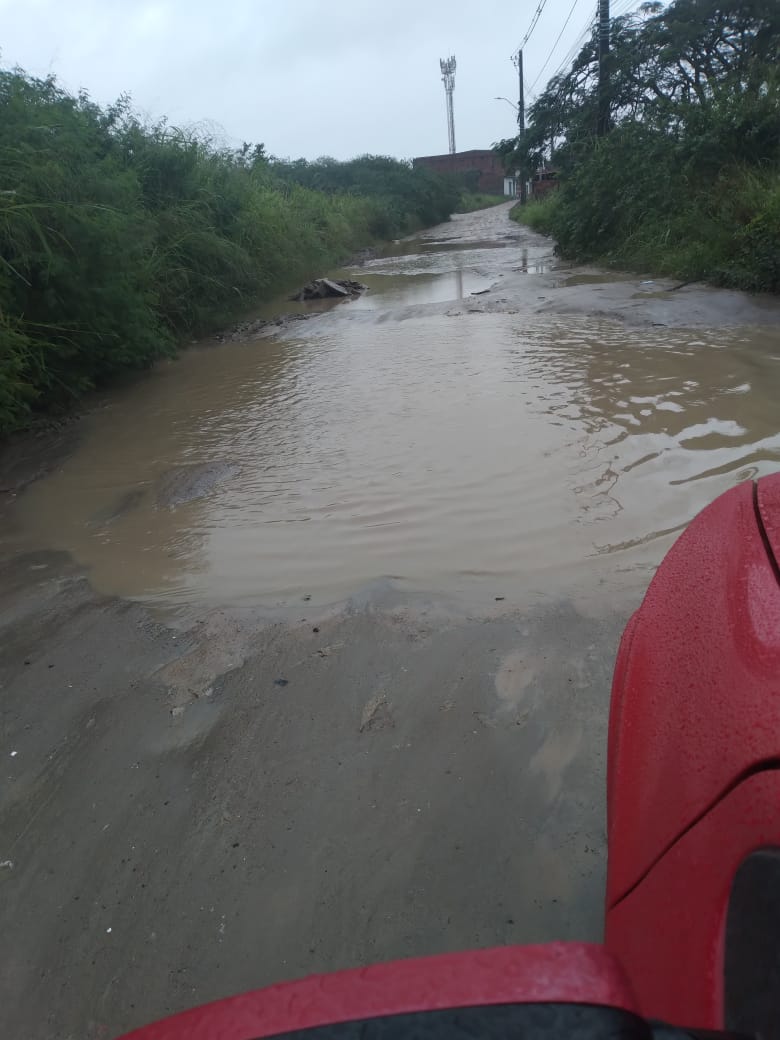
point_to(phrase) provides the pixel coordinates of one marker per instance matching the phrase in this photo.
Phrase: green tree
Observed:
(693, 156)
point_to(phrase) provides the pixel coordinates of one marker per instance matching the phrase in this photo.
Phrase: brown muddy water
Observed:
(430, 433)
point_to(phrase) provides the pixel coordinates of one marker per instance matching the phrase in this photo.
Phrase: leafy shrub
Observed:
(117, 239)
(686, 179)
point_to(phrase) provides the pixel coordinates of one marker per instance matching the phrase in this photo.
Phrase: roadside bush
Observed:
(471, 201)
(683, 176)
(645, 209)
(756, 264)
(537, 214)
(118, 239)
(404, 198)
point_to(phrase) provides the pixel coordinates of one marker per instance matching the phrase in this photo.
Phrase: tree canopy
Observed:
(694, 128)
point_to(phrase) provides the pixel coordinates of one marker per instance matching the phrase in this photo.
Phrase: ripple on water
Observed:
(451, 452)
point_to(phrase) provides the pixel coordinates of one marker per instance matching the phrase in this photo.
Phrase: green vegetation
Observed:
(687, 179)
(470, 201)
(401, 198)
(537, 215)
(118, 239)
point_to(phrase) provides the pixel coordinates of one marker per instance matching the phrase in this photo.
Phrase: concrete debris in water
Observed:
(246, 330)
(319, 289)
(322, 288)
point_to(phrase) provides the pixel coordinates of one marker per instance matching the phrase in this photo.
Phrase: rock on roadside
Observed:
(322, 288)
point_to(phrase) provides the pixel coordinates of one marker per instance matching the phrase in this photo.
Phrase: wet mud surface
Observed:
(306, 639)
(219, 809)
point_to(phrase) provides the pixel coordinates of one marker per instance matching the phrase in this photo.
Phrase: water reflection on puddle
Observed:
(394, 290)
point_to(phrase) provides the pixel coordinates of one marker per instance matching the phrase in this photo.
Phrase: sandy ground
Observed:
(394, 784)
(191, 810)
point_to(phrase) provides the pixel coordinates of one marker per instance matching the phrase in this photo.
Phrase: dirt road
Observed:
(306, 641)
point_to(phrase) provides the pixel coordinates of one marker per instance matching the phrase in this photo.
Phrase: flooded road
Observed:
(306, 641)
(427, 434)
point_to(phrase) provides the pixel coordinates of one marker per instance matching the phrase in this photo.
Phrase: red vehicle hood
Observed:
(696, 693)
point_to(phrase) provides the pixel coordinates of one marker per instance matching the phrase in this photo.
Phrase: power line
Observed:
(532, 26)
(622, 8)
(558, 40)
(574, 49)
(534, 20)
(570, 54)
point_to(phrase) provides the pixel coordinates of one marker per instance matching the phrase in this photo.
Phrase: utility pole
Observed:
(520, 94)
(447, 66)
(603, 112)
(518, 61)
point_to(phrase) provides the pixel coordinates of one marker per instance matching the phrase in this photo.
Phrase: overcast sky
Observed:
(307, 78)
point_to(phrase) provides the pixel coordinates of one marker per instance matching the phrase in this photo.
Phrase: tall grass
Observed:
(118, 239)
(471, 201)
(724, 230)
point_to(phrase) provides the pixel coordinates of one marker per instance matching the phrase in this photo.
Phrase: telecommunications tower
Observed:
(447, 66)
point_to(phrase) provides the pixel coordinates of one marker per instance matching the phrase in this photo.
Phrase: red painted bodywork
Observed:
(768, 501)
(557, 973)
(696, 695)
(693, 789)
(669, 932)
(694, 743)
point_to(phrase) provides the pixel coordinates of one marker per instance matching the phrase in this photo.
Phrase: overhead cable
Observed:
(558, 40)
(532, 26)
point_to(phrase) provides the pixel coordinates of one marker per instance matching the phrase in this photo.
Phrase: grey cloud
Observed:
(307, 78)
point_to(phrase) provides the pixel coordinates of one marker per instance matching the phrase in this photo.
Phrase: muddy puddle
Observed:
(590, 278)
(415, 437)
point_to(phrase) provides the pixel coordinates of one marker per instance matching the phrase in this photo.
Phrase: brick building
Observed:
(483, 160)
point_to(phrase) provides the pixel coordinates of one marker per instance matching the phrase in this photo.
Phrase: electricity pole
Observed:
(603, 112)
(518, 61)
